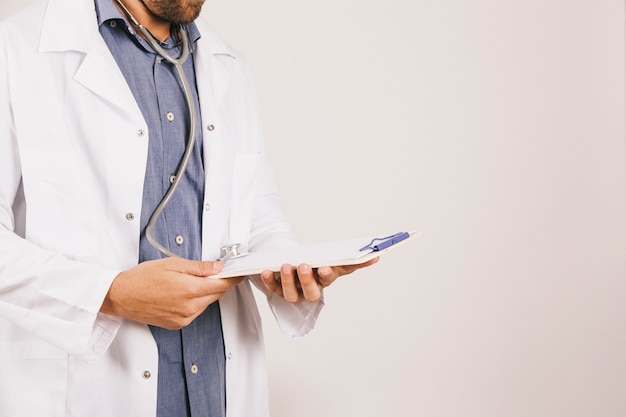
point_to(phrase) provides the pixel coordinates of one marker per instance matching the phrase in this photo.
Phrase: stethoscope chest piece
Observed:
(235, 250)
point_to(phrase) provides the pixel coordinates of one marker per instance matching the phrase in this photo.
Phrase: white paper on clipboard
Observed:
(345, 252)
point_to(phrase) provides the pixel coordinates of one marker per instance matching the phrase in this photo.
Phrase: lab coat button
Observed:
(170, 116)
(146, 374)
(194, 368)
(140, 133)
(230, 355)
(130, 217)
(210, 128)
(207, 207)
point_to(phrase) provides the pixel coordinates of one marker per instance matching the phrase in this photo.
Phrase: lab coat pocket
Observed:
(33, 379)
(244, 188)
(60, 202)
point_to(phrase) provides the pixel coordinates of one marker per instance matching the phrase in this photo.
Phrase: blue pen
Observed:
(385, 242)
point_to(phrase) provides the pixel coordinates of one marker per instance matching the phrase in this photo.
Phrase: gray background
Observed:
(497, 129)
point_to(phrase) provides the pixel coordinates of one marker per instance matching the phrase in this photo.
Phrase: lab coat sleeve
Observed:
(55, 299)
(270, 230)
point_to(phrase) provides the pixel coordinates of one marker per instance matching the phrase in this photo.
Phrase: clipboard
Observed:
(338, 253)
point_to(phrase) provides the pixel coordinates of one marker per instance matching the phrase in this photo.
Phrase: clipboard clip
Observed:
(380, 243)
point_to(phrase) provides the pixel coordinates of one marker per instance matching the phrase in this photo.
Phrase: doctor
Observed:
(94, 320)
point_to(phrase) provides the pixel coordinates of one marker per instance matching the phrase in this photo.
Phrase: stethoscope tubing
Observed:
(191, 139)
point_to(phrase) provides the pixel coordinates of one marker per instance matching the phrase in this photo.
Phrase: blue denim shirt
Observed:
(191, 379)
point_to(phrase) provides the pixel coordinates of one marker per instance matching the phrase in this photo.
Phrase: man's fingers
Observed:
(311, 289)
(306, 282)
(288, 283)
(271, 283)
(327, 275)
(195, 268)
(202, 269)
(294, 284)
(223, 284)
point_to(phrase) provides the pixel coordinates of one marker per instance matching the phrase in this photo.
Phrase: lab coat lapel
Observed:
(211, 75)
(213, 81)
(98, 71)
(212, 78)
(121, 161)
(100, 74)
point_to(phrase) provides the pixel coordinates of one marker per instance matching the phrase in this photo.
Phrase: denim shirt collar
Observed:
(107, 11)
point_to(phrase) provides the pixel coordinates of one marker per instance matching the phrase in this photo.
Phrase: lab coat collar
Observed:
(63, 31)
(71, 25)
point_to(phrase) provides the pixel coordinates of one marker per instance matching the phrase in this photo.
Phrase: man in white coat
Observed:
(84, 303)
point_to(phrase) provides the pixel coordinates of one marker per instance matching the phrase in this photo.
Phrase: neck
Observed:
(138, 13)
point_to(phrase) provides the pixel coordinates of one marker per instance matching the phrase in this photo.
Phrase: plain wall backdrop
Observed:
(497, 129)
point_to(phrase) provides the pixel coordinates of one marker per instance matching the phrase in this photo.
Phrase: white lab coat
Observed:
(73, 149)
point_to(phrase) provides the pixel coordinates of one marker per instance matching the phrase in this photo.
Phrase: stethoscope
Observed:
(227, 252)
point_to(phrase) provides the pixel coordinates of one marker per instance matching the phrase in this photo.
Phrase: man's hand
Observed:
(168, 293)
(305, 283)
